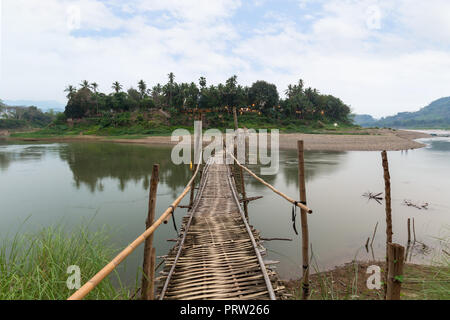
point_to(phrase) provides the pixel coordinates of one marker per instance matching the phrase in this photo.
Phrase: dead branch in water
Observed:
(377, 197)
(417, 206)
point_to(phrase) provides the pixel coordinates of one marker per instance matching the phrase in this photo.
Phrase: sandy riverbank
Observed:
(361, 140)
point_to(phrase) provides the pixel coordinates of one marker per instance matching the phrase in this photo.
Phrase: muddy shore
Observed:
(361, 140)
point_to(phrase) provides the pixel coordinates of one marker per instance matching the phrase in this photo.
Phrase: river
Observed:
(106, 184)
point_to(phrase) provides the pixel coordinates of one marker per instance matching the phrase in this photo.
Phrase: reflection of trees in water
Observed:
(92, 162)
(14, 154)
(316, 163)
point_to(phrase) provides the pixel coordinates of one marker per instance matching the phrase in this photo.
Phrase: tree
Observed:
(94, 86)
(263, 95)
(142, 86)
(202, 82)
(117, 87)
(78, 106)
(71, 90)
(170, 84)
(85, 84)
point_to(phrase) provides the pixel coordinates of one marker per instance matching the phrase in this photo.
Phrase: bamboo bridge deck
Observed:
(218, 255)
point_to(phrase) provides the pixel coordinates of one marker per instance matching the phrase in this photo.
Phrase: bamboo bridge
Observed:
(217, 254)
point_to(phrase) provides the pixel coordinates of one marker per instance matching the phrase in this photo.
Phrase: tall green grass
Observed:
(34, 266)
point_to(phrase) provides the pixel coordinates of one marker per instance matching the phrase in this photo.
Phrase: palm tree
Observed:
(94, 86)
(142, 86)
(117, 87)
(71, 90)
(171, 81)
(85, 84)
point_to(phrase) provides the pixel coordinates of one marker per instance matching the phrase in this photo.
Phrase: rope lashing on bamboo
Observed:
(173, 219)
(296, 203)
(103, 273)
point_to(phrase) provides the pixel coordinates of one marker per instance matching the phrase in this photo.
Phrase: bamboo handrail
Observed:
(103, 273)
(294, 202)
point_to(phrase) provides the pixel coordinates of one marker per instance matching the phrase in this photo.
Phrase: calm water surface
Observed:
(107, 184)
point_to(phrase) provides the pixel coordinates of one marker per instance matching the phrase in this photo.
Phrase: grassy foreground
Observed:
(348, 282)
(34, 266)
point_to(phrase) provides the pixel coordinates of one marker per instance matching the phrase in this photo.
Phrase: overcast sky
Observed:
(380, 57)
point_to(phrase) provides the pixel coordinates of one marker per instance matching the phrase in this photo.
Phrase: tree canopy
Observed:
(261, 97)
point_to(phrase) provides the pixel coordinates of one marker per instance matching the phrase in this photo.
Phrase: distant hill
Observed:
(44, 105)
(435, 115)
(364, 120)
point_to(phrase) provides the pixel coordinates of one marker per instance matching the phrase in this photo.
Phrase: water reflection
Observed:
(91, 163)
(316, 164)
(19, 153)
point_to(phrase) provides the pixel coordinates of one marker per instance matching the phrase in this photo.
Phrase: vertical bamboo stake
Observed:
(148, 278)
(414, 230)
(396, 259)
(304, 220)
(235, 119)
(241, 171)
(409, 230)
(387, 186)
(191, 198)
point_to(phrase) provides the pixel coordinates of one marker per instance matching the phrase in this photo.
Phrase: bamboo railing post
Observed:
(191, 197)
(304, 220)
(241, 171)
(148, 278)
(387, 186)
(235, 118)
(409, 230)
(396, 255)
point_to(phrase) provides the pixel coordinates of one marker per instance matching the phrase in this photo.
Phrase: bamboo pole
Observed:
(235, 118)
(387, 186)
(95, 280)
(414, 230)
(396, 255)
(191, 197)
(300, 205)
(241, 172)
(409, 230)
(304, 220)
(374, 232)
(148, 278)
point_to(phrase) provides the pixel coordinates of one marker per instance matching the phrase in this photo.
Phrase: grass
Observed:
(34, 266)
(348, 282)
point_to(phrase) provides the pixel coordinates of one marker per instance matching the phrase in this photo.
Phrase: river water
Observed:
(106, 184)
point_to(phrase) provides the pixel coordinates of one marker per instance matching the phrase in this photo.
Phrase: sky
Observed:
(380, 57)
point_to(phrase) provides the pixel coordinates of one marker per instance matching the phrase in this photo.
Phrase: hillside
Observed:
(364, 120)
(435, 115)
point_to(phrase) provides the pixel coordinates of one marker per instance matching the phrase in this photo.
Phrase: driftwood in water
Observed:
(377, 197)
(276, 239)
(415, 205)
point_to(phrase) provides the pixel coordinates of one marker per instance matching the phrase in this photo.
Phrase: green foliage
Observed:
(34, 266)
(261, 97)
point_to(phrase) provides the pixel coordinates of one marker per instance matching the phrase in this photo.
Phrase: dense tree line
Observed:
(262, 98)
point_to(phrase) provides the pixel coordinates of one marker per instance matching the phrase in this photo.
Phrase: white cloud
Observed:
(398, 62)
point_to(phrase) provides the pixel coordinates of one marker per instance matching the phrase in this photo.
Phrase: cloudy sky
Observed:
(380, 57)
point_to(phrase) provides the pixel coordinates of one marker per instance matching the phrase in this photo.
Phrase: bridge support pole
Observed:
(387, 186)
(148, 277)
(396, 254)
(304, 220)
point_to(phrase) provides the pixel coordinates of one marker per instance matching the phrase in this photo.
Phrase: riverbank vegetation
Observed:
(163, 107)
(14, 118)
(34, 266)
